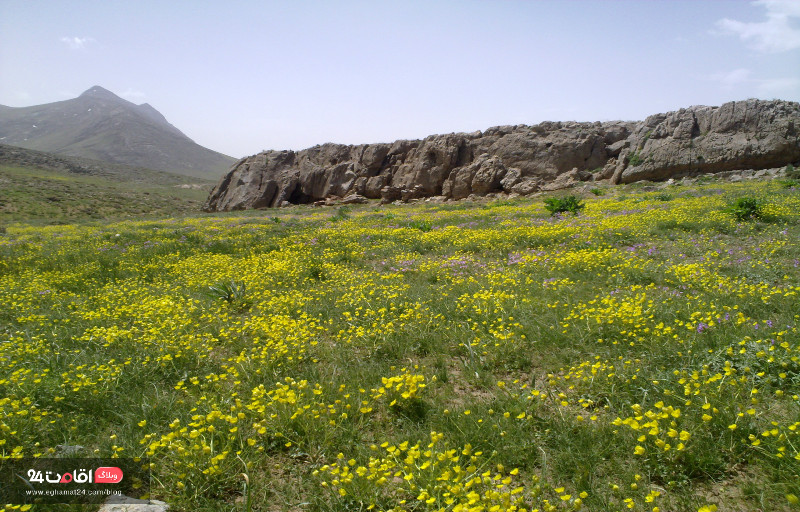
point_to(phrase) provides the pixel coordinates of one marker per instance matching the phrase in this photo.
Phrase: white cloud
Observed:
(762, 87)
(778, 87)
(779, 33)
(731, 79)
(77, 43)
(133, 94)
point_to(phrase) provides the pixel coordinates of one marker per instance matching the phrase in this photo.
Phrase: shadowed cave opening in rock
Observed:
(298, 197)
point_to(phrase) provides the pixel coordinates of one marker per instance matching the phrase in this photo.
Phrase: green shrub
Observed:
(421, 224)
(792, 183)
(792, 173)
(746, 208)
(232, 292)
(563, 204)
(598, 191)
(635, 159)
(664, 196)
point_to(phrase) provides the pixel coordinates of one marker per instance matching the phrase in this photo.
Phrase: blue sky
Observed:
(242, 76)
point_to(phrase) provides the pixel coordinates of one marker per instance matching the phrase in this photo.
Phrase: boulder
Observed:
(436, 199)
(489, 172)
(390, 194)
(354, 199)
(121, 503)
(526, 186)
(415, 192)
(481, 177)
(373, 186)
(66, 450)
(567, 179)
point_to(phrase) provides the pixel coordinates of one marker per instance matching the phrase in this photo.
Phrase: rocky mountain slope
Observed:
(102, 126)
(522, 159)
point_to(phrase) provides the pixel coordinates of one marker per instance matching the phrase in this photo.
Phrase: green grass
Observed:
(562, 355)
(42, 196)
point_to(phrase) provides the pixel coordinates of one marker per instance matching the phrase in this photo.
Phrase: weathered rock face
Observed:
(522, 159)
(748, 134)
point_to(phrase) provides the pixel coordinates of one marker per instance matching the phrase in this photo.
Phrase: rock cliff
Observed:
(521, 159)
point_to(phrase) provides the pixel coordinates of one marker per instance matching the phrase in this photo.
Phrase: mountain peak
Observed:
(99, 93)
(102, 126)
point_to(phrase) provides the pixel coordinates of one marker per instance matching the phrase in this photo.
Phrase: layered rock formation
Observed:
(521, 159)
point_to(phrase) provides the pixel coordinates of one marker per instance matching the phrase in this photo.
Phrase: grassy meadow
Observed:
(29, 193)
(642, 355)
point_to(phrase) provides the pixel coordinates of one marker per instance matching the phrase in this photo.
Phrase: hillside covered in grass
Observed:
(44, 188)
(641, 355)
